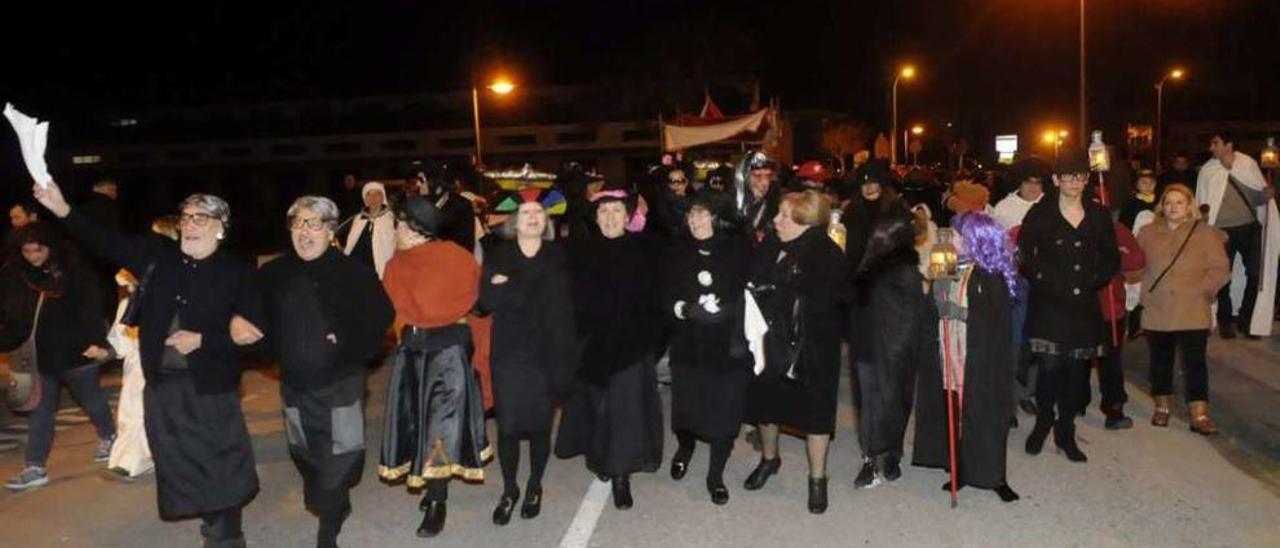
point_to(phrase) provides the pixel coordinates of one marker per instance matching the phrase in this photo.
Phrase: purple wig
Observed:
(987, 243)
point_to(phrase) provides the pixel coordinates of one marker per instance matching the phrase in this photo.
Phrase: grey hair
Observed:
(507, 230)
(217, 207)
(324, 207)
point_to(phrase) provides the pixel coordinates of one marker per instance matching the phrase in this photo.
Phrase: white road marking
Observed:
(584, 522)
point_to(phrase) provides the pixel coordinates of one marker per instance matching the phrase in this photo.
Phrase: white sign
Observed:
(1007, 144)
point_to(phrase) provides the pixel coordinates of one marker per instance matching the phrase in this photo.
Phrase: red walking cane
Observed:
(951, 411)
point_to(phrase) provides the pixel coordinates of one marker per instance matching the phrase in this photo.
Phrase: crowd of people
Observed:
(748, 282)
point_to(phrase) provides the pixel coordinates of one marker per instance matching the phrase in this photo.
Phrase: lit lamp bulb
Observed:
(1099, 160)
(943, 260)
(1270, 157)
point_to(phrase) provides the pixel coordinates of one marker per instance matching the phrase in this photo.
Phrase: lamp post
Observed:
(1175, 74)
(1084, 118)
(906, 72)
(501, 86)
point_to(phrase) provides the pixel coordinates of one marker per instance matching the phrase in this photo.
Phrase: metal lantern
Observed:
(943, 260)
(1270, 158)
(1099, 160)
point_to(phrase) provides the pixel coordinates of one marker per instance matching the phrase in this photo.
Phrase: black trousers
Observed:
(1110, 372)
(1245, 241)
(222, 529)
(1057, 389)
(1164, 345)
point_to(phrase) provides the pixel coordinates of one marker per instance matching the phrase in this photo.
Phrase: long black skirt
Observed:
(618, 425)
(201, 447)
(434, 426)
(325, 429)
(708, 402)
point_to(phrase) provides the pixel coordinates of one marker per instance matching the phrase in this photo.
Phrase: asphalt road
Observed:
(1141, 487)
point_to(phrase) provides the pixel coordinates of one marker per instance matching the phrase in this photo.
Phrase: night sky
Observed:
(987, 65)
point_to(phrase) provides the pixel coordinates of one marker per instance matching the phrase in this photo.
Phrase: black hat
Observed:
(1072, 161)
(758, 160)
(421, 215)
(874, 171)
(1028, 167)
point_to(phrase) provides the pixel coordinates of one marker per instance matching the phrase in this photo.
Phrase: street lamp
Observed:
(1056, 138)
(501, 86)
(1175, 75)
(914, 146)
(907, 72)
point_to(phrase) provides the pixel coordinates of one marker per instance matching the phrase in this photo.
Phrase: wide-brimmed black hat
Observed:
(1072, 161)
(874, 171)
(421, 215)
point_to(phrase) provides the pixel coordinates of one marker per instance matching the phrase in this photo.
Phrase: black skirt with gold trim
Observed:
(434, 425)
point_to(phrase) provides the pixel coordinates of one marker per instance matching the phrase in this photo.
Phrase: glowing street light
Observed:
(501, 86)
(1176, 75)
(907, 72)
(1056, 138)
(917, 129)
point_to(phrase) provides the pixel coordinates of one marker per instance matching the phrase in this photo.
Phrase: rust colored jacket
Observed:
(1182, 300)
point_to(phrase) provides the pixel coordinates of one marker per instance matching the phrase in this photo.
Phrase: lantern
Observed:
(1270, 158)
(943, 261)
(1099, 160)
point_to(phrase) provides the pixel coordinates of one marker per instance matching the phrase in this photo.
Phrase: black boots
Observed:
(433, 521)
(1066, 443)
(817, 495)
(622, 493)
(1116, 419)
(532, 504)
(506, 505)
(1035, 440)
(892, 468)
(760, 475)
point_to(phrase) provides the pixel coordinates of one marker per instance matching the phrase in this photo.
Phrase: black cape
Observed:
(983, 427)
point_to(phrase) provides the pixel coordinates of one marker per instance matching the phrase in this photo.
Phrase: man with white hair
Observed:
(371, 239)
(325, 318)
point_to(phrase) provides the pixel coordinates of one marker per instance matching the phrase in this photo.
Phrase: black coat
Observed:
(69, 322)
(710, 363)
(983, 426)
(1066, 266)
(203, 294)
(615, 301)
(306, 300)
(1130, 209)
(534, 346)
(812, 272)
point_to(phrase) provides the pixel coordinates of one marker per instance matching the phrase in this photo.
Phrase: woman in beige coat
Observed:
(1186, 266)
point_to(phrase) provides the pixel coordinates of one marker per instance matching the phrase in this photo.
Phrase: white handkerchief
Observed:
(754, 328)
(33, 138)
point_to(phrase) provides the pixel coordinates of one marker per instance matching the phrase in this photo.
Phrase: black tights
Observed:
(509, 460)
(222, 528)
(720, 449)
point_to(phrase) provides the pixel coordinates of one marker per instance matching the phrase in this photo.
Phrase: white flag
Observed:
(33, 137)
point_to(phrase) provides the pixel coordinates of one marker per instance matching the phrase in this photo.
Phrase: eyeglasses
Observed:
(195, 219)
(313, 224)
(678, 181)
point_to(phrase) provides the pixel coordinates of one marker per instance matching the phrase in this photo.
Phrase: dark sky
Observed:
(986, 65)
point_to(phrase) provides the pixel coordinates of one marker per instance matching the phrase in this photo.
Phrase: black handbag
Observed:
(133, 311)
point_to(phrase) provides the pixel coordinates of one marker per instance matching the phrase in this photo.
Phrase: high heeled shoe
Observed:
(507, 504)
(760, 475)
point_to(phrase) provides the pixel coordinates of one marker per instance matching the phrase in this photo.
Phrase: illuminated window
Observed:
(86, 159)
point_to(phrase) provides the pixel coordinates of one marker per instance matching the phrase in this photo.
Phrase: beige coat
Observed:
(1183, 298)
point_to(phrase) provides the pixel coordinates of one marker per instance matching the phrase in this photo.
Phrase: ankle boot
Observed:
(622, 492)
(760, 475)
(1116, 419)
(817, 495)
(1200, 421)
(433, 521)
(1160, 417)
(1065, 439)
(1035, 440)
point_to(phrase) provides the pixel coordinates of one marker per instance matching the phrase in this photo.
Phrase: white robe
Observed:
(1010, 211)
(384, 237)
(1210, 188)
(130, 452)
